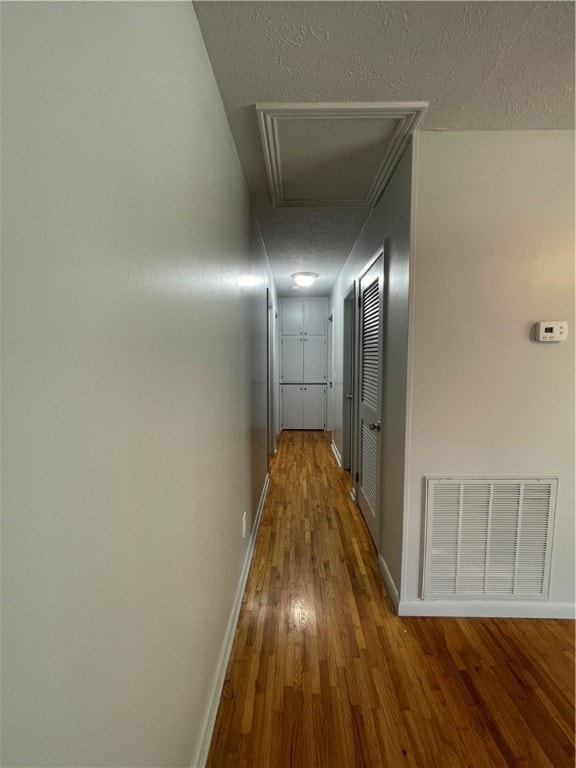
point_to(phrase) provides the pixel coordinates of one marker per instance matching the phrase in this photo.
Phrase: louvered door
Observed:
(370, 385)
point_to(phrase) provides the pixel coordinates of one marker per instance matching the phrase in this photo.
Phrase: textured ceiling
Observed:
(480, 65)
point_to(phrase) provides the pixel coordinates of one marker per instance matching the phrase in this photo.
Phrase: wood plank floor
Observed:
(323, 674)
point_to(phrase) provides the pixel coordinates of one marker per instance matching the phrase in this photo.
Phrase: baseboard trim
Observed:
(389, 581)
(201, 754)
(487, 609)
(336, 453)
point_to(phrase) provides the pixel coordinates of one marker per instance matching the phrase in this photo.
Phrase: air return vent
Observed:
(488, 538)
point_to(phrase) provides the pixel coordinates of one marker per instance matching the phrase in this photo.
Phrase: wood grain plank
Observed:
(323, 674)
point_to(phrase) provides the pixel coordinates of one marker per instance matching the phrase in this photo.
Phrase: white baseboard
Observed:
(388, 580)
(207, 728)
(487, 608)
(474, 608)
(336, 453)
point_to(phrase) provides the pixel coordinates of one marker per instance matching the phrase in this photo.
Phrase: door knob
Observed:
(374, 425)
(348, 397)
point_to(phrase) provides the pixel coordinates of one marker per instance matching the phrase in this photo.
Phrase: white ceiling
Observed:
(480, 65)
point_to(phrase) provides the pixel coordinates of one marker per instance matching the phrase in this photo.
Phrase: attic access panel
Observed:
(333, 154)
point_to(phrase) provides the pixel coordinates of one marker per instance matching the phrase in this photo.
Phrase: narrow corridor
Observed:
(324, 674)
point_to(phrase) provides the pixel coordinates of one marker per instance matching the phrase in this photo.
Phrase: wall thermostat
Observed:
(551, 330)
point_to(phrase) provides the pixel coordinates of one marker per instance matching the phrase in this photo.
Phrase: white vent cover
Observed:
(488, 538)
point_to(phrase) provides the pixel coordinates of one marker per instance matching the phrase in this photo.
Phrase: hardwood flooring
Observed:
(323, 674)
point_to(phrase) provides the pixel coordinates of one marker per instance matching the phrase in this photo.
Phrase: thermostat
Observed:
(551, 330)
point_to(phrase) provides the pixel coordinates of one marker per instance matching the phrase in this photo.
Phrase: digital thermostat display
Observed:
(551, 330)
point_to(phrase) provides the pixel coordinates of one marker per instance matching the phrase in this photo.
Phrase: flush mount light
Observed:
(304, 279)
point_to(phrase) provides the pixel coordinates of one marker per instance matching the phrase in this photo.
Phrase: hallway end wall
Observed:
(132, 420)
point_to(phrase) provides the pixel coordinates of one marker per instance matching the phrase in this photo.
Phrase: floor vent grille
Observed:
(488, 538)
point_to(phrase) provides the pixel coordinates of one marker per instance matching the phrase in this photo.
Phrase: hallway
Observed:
(169, 170)
(324, 674)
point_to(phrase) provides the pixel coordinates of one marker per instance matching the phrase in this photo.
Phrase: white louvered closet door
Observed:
(370, 381)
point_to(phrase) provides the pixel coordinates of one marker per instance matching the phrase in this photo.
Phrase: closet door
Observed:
(314, 406)
(370, 385)
(314, 317)
(314, 359)
(292, 359)
(292, 410)
(292, 317)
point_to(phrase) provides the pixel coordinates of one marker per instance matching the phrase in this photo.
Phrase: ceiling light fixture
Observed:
(305, 279)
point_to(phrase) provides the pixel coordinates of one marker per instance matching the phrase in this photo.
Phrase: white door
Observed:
(314, 358)
(314, 317)
(314, 406)
(292, 317)
(370, 385)
(292, 410)
(292, 359)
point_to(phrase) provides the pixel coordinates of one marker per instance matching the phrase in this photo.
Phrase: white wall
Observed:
(128, 448)
(493, 252)
(390, 219)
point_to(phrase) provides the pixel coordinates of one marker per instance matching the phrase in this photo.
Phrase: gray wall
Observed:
(259, 269)
(133, 410)
(493, 252)
(390, 219)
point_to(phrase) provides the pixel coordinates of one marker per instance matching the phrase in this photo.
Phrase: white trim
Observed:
(487, 608)
(389, 581)
(408, 114)
(410, 367)
(336, 453)
(211, 710)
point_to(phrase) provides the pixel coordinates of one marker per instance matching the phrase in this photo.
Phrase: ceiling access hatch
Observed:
(333, 154)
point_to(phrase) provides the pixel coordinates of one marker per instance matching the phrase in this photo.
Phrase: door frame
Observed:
(384, 251)
(270, 373)
(348, 380)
